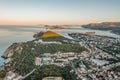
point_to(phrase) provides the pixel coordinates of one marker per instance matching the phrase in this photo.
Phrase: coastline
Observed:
(29, 36)
(21, 55)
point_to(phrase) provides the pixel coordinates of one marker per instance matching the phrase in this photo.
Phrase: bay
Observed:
(12, 34)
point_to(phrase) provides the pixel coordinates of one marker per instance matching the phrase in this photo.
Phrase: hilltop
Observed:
(50, 36)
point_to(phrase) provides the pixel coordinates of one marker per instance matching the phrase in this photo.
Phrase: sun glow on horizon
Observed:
(58, 12)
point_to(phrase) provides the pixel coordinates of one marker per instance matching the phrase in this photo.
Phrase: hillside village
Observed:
(85, 56)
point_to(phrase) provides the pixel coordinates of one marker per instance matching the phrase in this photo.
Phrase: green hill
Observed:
(50, 34)
(22, 62)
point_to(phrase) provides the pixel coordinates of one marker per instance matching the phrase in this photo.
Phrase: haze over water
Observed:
(12, 34)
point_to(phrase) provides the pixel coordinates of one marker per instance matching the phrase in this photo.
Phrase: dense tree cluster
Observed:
(23, 63)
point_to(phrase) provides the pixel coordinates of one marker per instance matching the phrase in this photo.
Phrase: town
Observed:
(94, 64)
(98, 62)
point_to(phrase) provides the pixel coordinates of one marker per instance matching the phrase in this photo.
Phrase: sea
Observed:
(12, 34)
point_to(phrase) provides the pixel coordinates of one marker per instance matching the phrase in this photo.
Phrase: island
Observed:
(114, 27)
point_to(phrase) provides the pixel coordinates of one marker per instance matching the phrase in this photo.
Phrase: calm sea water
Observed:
(11, 34)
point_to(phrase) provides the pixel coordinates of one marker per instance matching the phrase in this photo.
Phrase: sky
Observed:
(58, 12)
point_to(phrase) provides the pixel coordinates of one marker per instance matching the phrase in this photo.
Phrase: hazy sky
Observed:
(58, 11)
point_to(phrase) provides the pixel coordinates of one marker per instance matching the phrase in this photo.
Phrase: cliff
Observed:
(11, 50)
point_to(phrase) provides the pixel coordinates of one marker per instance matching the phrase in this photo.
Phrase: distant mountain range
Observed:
(112, 26)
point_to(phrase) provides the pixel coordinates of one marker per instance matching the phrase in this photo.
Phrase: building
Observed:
(38, 61)
(47, 42)
(12, 76)
(52, 78)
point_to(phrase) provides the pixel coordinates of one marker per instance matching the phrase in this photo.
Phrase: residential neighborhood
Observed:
(96, 63)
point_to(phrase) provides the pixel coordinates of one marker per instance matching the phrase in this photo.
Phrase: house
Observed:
(52, 78)
(61, 59)
(72, 58)
(47, 42)
(12, 76)
(47, 55)
(38, 61)
(99, 62)
(47, 58)
(68, 54)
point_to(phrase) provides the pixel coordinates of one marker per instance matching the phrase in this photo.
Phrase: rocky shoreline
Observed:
(9, 52)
